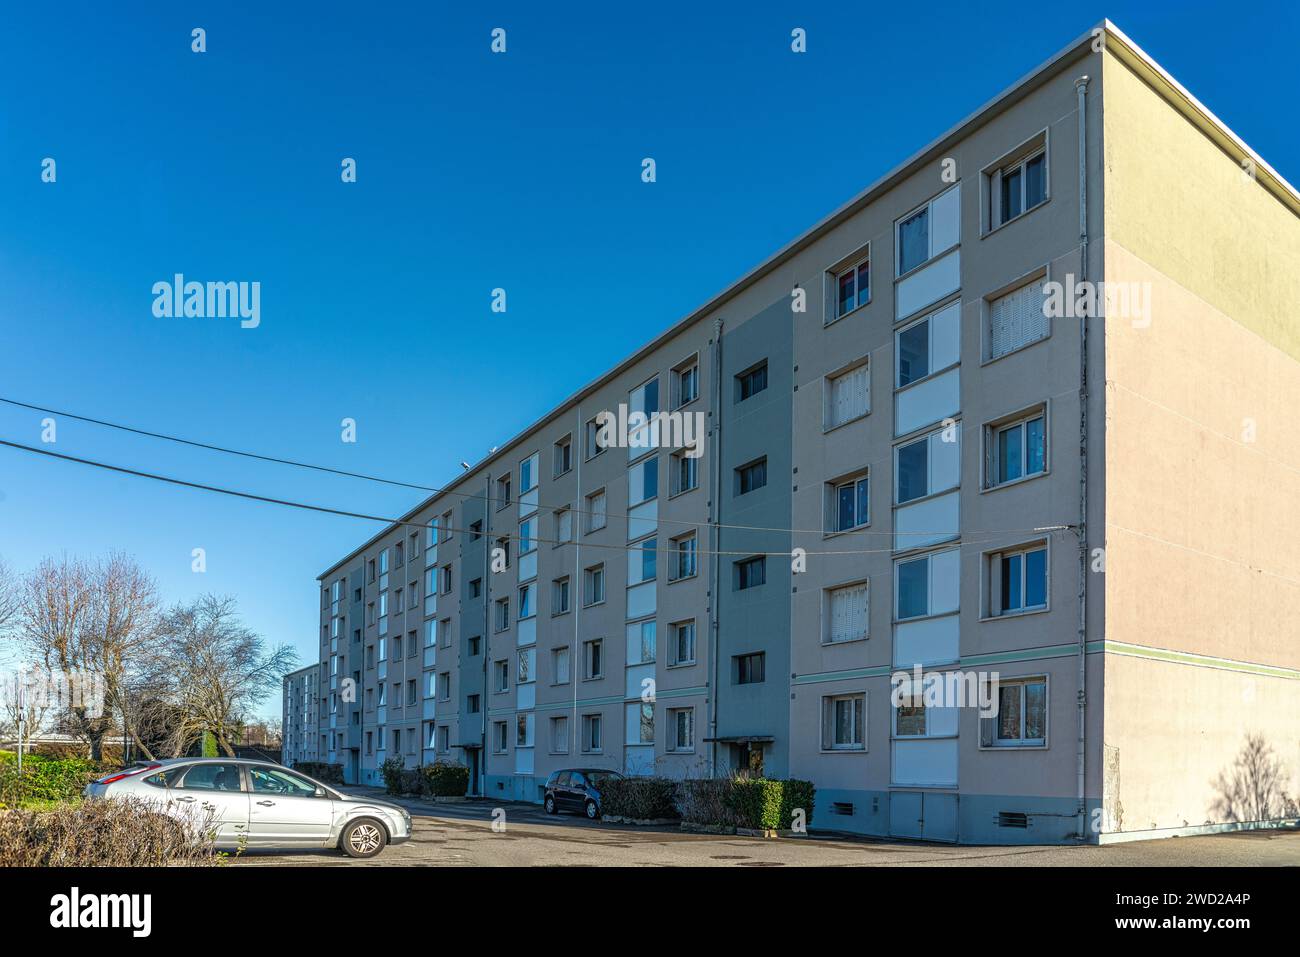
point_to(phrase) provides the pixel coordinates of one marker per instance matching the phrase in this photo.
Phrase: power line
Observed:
(434, 489)
(251, 496)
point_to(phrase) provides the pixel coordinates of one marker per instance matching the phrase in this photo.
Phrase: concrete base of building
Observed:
(515, 787)
(952, 817)
(1197, 830)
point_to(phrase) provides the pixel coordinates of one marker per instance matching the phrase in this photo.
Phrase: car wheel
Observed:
(593, 811)
(364, 837)
(549, 804)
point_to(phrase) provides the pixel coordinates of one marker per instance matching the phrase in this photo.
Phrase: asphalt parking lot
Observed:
(462, 835)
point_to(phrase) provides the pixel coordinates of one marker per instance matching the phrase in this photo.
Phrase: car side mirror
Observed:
(320, 792)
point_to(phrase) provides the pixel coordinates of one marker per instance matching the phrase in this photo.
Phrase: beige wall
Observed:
(1203, 466)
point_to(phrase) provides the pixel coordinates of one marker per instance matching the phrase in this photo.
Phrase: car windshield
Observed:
(599, 777)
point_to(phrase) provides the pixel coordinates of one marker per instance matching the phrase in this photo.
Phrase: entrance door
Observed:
(472, 754)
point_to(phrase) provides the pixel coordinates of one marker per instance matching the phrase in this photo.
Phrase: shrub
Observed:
(391, 770)
(444, 779)
(115, 833)
(647, 798)
(321, 771)
(758, 803)
(45, 779)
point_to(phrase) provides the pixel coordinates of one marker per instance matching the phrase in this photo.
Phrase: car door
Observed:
(286, 809)
(560, 789)
(212, 795)
(577, 790)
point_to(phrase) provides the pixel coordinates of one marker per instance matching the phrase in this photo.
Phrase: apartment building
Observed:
(300, 719)
(919, 447)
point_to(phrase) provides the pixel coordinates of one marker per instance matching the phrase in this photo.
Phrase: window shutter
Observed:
(1016, 319)
(857, 619)
(986, 732)
(838, 608)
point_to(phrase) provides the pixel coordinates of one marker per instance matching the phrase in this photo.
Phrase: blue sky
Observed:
(475, 171)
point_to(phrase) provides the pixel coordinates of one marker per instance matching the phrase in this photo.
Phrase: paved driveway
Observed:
(462, 835)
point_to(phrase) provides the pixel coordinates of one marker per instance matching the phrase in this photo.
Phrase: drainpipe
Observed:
(581, 518)
(1081, 88)
(716, 536)
(487, 631)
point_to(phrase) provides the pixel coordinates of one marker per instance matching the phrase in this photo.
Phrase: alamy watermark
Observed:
(623, 429)
(212, 300)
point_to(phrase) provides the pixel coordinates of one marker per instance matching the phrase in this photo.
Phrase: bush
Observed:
(757, 803)
(321, 771)
(45, 779)
(391, 770)
(115, 833)
(444, 779)
(643, 799)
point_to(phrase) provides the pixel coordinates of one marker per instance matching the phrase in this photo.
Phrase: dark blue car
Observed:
(577, 790)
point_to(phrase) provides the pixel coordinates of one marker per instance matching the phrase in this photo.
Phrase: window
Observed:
(844, 719)
(846, 613)
(444, 632)
(927, 465)
(750, 668)
(445, 526)
(444, 686)
(926, 585)
(501, 675)
(848, 396)
(527, 536)
(502, 614)
(446, 579)
(412, 646)
(593, 585)
(681, 729)
(528, 476)
(563, 455)
(683, 557)
(413, 590)
(686, 383)
(1018, 580)
(593, 658)
(475, 646)
(503, 543)
(397, 600)
(641, 648)
(560, 666)
(398, 553)
(642, 565)
(503, 491)
(524, 731)
(414, 548)
(1018, 186)
(560, 596)
(1018, 448)
(563, 525)
(642, 403)
(751, 572)
(848, 505)
(473, 704)
(527, 601)
(1017, 318)
(476, 530)
(591, 733)
(527, 662)
(645, 724)
(852, 288)
(475, 587)
(751, 382)
(411, 692)
(560, 735)
(500, 736)
(444, 738)
(596, 510)
(681, 649)
(397, 740)
(685, 474)
(751, 477)
(1021, 721)
(926, 232)
(593, 438)
(643, 481)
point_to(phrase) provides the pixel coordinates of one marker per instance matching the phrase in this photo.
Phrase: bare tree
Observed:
(220, 670)
(95, 619)
(8, 606)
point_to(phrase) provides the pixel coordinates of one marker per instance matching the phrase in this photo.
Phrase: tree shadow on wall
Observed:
(1255, 787)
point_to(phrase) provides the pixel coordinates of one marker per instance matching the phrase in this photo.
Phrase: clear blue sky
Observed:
(474, 171)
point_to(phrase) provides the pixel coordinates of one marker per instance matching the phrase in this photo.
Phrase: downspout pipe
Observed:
(715, 533)
(1081, 89)
(487, 631)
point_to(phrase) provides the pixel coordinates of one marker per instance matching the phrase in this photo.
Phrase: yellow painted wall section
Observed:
(1202, 471)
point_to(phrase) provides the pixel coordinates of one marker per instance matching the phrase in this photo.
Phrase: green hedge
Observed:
(444, 779)
(757, 803)
(44, 779)
(321, 771)
(647, 798)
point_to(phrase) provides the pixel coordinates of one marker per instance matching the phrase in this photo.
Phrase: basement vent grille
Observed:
(1013, 819)
(842, 807)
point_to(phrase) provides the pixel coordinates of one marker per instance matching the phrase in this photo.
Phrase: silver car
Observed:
(259, 804)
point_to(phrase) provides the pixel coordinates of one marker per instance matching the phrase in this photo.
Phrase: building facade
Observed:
(978, 436)
(300, 717)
